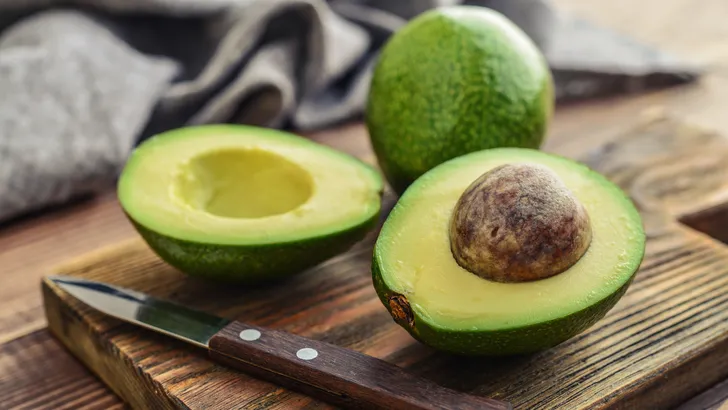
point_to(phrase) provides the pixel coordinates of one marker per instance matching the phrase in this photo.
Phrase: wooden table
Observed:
(35, 370)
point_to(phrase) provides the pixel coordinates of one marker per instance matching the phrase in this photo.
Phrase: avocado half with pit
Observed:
(506, 251)
(246, 204)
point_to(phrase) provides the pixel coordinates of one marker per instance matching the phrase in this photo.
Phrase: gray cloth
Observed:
(82, 82)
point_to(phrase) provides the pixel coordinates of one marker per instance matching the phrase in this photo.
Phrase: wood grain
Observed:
(36, 373)
(336, 375)
(32, 246)
(665, 341)
(711, 399)
(28, 248)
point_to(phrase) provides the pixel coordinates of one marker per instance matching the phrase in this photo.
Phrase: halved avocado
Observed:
(450, 308)
(245, 204)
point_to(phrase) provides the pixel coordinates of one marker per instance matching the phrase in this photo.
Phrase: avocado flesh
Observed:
(241, 203)
(455, 310)
(455, 80)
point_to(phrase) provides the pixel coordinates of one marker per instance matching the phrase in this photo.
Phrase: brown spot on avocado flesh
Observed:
(401, 310)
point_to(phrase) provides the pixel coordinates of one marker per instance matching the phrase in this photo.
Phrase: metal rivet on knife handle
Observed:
(339, 375)
(307, 353)
(250, 335)
(336, 374)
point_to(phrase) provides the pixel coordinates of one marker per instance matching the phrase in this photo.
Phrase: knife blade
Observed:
(321, 370)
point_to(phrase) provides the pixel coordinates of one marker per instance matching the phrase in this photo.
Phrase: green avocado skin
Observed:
(507, 342)
(252, 263)
(454, 80)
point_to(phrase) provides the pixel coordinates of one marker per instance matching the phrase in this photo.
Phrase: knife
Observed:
(321, 370)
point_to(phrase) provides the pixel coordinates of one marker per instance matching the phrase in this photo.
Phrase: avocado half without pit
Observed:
(239, 203)
(506, 251)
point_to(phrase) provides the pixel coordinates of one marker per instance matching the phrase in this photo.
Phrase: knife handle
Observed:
(334, 374)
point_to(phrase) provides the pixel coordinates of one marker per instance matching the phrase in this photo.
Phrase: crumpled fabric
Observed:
(82, 82)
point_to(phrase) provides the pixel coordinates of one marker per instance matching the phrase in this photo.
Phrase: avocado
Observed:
(240, 203)
(454, 80)
(506, 251)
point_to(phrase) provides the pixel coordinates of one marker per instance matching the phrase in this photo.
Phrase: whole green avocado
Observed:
(454, 80)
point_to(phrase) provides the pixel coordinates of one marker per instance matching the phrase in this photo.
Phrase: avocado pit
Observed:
(518, 222)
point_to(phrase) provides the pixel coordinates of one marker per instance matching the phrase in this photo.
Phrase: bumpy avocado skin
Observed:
(455, 80)
(252, 263)
(506, 342)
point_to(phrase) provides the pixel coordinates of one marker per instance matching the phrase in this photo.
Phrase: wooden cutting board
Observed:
(664, 342)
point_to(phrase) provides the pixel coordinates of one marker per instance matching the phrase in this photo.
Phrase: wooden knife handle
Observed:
(337, 375)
